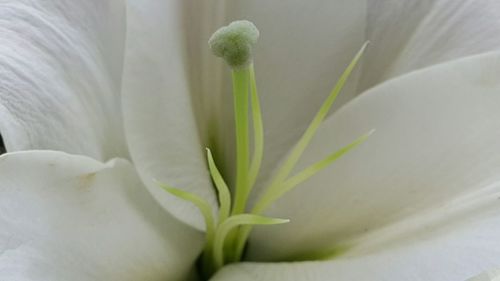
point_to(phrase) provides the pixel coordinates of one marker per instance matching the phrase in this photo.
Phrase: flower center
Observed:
(227, 235)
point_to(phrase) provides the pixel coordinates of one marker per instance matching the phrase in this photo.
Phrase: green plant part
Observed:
(227, 235)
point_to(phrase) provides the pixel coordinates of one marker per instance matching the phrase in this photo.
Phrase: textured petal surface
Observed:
(490, 275)
(296, 69)
(409, 35)
(160, 122)
(453, 242)
(436, 138)
(60, 68)
(67, 217)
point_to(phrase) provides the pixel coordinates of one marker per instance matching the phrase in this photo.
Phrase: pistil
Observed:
(240, 96)
(227, 236)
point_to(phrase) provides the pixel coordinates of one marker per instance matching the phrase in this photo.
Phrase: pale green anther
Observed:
(234, 43)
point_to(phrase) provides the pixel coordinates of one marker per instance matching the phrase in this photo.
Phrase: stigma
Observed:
(234, 43)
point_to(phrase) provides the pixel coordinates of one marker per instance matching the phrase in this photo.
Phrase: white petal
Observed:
(409, 35)
(451, 243)
(303, 49)
(60, 66)
(436, 138)
(305, 45)
(67, 217)
(490, 275)
(159, 119)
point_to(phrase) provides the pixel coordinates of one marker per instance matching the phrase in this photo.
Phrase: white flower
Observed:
(107, 79)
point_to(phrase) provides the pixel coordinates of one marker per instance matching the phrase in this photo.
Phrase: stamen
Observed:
(275, 187)
(258, 130)
(306, 138)
(200, 203)
(222, 189)
(231, 223)
(309, 172)
(206, 211)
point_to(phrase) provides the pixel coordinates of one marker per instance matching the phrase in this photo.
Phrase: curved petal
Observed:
(409, 35)
(60, 69)
(436, 137)
(406, 35)
(303, 48)
(160, 123)
(490, 275)
(453, 242)
(67, 217)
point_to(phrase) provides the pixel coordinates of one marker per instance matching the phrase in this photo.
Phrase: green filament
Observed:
(230, 224)
(306, 138)
(206, 211)
(305, 174)
(222, 189)
(258, 130)
(275, 190)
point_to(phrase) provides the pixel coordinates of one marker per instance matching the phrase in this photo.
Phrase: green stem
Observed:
(239, 245)
(240, 93)
(206, 211)
(238, 242)
(258, 130)
(222, 189)
(225, 228)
